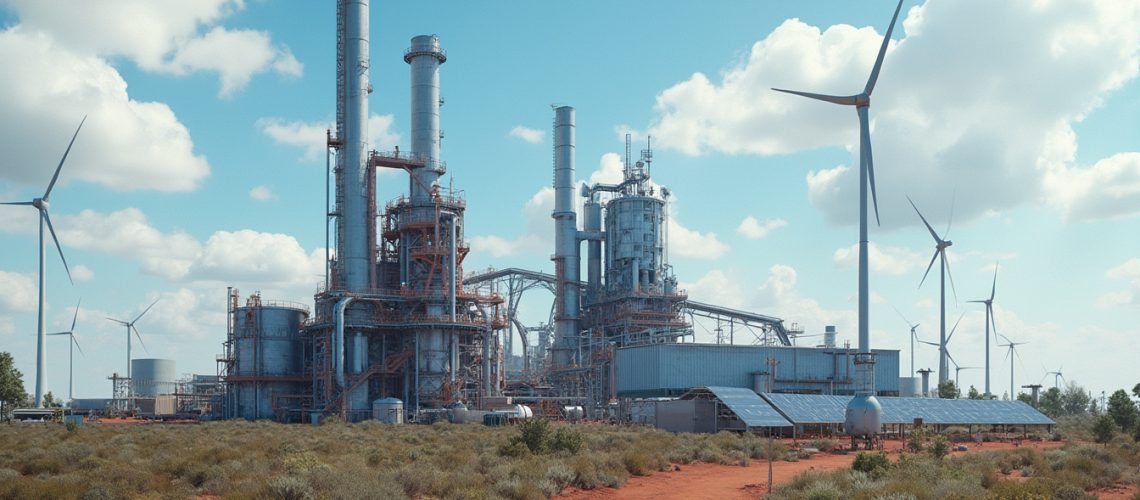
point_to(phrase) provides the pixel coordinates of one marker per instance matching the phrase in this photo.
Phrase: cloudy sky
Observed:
(200, 165)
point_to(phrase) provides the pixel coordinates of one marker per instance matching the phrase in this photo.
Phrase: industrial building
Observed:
(397, 318)
(669, 370)
(394, 318)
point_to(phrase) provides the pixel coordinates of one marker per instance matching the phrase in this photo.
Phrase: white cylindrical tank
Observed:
(829, 336)
(910, 387)
(151, 377)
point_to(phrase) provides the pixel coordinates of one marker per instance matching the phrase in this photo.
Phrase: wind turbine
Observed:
(913, 337)
(1057, 376)
(989, 321)
(131, 326)
(940, 246)
(958, 371)
(864, 402)
(1010, 355)
(71, 346)
(42, 205)
(942, 349)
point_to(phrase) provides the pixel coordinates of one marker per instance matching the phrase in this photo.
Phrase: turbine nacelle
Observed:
(40, 203)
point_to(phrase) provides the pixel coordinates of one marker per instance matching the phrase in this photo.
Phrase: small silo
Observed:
(151, 377)
(389, 410)
(266, 377)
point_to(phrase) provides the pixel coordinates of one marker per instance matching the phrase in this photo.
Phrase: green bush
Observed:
(566, 439)
(873, 464)
(940, 447)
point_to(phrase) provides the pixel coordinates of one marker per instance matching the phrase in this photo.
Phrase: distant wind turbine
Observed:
(42, 205)
(1010, 355)
(940, 246)
(989, 321)
(913, 337)
(943, 347)
(1058, 376)
(864, 402)
(131, 326)
(72, 344)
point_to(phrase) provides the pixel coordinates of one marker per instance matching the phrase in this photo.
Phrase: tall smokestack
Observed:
(566, 258)
(353, 254)
(425, 55)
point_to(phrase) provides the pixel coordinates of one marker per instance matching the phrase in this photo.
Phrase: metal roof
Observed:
(820, 409)
(745, 404)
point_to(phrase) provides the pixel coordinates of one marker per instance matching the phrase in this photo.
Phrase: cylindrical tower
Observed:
(567, 261)
(635, 244)
(425, 56)
(354, 255)
(268, 359)
(151, 377)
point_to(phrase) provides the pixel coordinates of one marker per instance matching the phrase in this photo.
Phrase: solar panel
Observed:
(822, 409)
(748, 407)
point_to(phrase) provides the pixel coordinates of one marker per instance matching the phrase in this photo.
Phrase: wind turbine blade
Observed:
(952, 330)
(77, 346)
(848, 100)
(47, 193)
(17, 203)
(951, 358)
(865, 153)
(76, 315)
(147, 309)
(951, 275)
(119, 321)
(897, 311)
(47, 218)
(950, 219)
(137, 336)
(992, 321)
(882, 53)
(920, 216)
(58, 333)
(935, 344)
(993, 290)
(927, 273)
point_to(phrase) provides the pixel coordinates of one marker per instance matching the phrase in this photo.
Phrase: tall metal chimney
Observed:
(354, 255)
(567, 261)
(425, 55)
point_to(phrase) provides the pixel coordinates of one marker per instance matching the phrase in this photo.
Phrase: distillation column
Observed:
(437, 347)
(354, 254)
(567, 260)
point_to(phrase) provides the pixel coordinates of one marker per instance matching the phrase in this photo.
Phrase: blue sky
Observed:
(200, 165)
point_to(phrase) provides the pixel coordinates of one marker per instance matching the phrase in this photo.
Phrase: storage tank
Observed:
(268, 359)
(862, 417)
(829, 336)
(910, 387)
(151, 377)
(388, 410)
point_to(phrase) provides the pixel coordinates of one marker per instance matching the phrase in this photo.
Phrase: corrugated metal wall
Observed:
(671, 369)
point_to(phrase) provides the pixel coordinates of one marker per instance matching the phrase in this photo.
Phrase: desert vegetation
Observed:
(925, 471)
(239, 459)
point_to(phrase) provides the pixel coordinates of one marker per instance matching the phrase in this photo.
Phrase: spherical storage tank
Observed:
(267, 345)
(151, 377)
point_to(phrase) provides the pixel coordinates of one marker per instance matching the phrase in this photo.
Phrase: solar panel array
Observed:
(821, 409)
(748, 407)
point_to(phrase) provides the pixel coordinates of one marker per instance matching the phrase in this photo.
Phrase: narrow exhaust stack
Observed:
(567, 260)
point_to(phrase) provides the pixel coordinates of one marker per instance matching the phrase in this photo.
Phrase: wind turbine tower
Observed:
(940, 246)
(42, 205)
(71, 347)
(989, 321)
(863, 412)
(131, 326)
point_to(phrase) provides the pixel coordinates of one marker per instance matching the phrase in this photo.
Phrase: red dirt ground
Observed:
(702, 480)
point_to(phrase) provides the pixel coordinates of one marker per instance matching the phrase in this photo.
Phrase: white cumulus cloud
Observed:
(261, 193)
(527, 134)
(755, 229)
(950, 109)
(888, 259)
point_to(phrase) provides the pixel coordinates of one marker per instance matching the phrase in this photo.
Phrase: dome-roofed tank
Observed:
(863, 414)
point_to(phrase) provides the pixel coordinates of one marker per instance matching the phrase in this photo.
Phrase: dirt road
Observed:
(736, 482)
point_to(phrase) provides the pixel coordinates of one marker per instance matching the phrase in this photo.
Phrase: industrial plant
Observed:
(399, 332)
